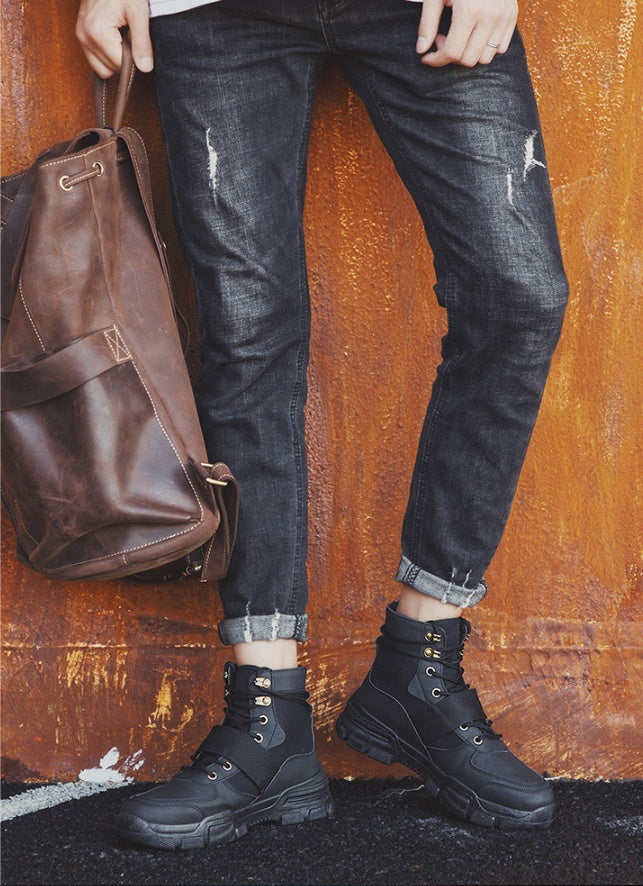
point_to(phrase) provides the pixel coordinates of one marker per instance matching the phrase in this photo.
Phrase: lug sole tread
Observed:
(310, 801)
(367, 736)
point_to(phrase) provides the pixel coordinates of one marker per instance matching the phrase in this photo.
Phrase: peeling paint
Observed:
(104, 773)
(161, 713)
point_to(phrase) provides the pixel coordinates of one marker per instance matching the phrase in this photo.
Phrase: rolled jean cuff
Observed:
(432, 586)
(263, 627)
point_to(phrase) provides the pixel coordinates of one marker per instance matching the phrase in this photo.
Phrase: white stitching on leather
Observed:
(167, 537)
(27, 312)
(116, 345)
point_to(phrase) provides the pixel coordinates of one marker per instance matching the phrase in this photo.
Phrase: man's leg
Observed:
(467, 144)
(236, 102)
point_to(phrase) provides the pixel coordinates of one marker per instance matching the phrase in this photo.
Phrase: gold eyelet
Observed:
(263, 700)
(430, 672)
(264, 682)
(464, 728)
(436, 693)
(477, 739)
(212, 776)
(432, 653)
(258, 738)
(263, 719)
(227, 766)
(430, 637)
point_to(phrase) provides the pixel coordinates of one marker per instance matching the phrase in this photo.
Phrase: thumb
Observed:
(429, 22)
(139, 34)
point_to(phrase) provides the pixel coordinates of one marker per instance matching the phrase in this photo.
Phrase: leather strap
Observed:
(452, 711)
(241, 749)
(218, 550)
(138, 155)
(101, 91)
(55, 374)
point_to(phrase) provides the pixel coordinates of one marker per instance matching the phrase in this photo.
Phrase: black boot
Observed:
(415, 708)
(259, 765)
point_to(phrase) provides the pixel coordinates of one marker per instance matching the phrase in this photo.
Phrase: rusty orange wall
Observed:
(555, 651)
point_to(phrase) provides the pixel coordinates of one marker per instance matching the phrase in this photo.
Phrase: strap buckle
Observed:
(211, 480)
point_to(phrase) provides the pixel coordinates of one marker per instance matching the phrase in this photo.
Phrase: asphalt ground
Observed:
(383, 832)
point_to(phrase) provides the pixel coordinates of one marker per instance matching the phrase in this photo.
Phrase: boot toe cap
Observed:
(507, 781)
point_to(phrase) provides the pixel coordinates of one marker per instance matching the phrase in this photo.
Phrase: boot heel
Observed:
(309, 801)
(366, 735)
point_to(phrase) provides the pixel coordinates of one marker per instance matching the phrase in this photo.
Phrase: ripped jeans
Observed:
(235, 82)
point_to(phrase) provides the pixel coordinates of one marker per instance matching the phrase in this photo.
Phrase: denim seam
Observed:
(441, 394)
(303, 347)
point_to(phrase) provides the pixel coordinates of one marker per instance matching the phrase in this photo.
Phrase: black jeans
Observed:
(235, 83)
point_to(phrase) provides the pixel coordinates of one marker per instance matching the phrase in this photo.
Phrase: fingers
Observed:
(98, 31)
(479, 30)
(139, 28)
(102, 46)
(429, 21)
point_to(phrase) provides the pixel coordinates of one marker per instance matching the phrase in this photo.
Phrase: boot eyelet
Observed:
(264, 682)
(263, 700)
(464, 728)
(227, 765)
(477, 739)
(430, 637)
(436, 693)
(212, 776)
(432, 653)
(263, 719)
(430, 672)
(258, 738)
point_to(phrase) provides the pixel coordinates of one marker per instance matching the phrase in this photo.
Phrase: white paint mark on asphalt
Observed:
(103, 774)
(51, 795)
(90, 781)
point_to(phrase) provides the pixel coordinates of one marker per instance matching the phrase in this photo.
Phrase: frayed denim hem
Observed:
(263, 627)
(432, 586)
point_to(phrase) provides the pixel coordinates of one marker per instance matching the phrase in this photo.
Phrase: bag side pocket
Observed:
(120, 517)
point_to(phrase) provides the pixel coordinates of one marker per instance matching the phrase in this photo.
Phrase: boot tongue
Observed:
(454, 630)
(243, 676)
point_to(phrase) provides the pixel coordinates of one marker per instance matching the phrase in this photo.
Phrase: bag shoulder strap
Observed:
(217, 552)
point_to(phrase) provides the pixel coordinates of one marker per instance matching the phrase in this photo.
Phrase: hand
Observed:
(97, 29)
(479, 30)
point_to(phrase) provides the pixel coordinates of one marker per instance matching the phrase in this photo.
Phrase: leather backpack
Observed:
(104, 468)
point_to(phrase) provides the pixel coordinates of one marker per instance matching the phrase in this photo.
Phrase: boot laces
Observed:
(242, 713)
(455, 682)
(452, 674)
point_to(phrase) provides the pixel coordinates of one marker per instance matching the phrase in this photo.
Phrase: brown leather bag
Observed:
(104, 469)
